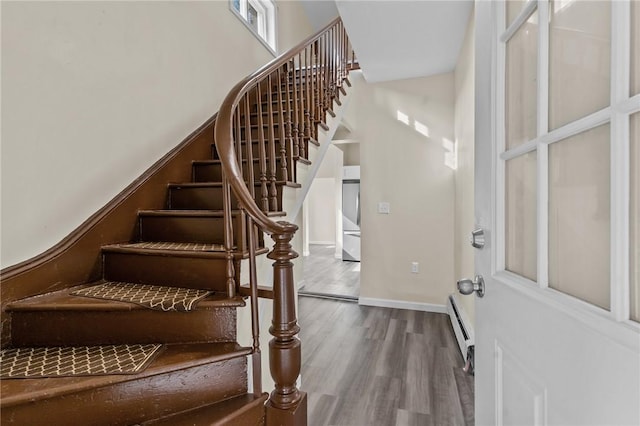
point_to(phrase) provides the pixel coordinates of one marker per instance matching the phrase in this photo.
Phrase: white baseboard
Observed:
(402, 304)
(323, 243)
(305, 253)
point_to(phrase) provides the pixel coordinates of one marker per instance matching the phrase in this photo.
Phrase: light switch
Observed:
(384, 207)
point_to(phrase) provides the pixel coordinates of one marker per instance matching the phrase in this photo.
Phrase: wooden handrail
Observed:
(225, 142)
(311, 75)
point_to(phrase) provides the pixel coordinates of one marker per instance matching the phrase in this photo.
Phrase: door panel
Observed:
(545, 356)
(520, 395)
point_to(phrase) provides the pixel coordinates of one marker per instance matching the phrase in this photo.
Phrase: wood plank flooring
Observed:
(366, 366)
(324, 274)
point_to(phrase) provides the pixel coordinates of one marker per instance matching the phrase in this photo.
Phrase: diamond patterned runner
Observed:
(156, 297)
(174, 246)
(76, 361)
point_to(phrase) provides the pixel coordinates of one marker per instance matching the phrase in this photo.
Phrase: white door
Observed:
(556, 191)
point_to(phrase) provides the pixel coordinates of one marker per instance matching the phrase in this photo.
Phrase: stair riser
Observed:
(255, 149)
(62, 328)
(183, 229)
(265, 116)
(277, 134)
(252, 417)
(207, 198)
(213, 172)
(176, 271)
(137, 400)
(256, 134)
(251, 414)
(283, 91)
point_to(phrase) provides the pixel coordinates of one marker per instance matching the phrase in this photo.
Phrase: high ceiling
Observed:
(396, 39)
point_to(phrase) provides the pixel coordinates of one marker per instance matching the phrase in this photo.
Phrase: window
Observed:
(568, 160)
(260, 17)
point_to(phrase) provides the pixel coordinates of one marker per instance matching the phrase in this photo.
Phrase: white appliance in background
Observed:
(351, 213)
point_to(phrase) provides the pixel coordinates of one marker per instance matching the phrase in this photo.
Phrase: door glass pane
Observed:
(521, 84)
(579, 62)
(579, 210)
(634, 218)
(521, 217)
(513, 10)
(635, 47)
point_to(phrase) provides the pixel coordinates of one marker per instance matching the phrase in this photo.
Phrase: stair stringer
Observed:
(292, 201)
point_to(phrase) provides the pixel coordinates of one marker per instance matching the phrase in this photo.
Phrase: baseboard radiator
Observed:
(461, 326)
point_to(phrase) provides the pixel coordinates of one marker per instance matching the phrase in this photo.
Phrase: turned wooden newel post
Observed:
(287, 405)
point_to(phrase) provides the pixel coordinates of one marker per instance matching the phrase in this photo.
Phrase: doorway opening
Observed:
(331, 265)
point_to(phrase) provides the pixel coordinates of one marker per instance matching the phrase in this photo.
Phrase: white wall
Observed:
(351, 153)
(465, 138)
(95, 92)
(406, 168)
(322, 206)
(324, 201)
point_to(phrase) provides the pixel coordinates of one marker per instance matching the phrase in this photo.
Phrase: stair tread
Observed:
(174, 357)
(200, 213)
(276, 137)
(217, 250)
(187, 213)
(212, 414)
(197, 213)
(168, 245)
(131, 248)
(219, 184)
(218, 162)
(64, 300)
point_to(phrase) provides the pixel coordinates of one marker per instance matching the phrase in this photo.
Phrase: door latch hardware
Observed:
(467, 286)
(477, 238)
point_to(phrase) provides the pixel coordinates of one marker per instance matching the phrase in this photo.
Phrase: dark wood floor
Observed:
(376, 366)
(324, 274)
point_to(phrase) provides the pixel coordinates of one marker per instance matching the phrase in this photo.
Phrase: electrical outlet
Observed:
(384, 207)
(415, 267)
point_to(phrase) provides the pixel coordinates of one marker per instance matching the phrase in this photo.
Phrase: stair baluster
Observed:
(228, 237)
(326, 71)
(262, 155)
(298, 136)
(253, 278)
(300, 119)
(293, 148)
(256, 357)
(271, 157)
(284, 175)
(308, 133)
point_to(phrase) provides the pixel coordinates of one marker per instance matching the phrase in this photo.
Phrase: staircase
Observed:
(198, 241)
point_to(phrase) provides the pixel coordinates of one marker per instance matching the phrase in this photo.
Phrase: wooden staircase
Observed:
(197, 241)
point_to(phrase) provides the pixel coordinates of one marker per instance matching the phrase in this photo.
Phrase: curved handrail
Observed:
(224, 141)
(307, 79)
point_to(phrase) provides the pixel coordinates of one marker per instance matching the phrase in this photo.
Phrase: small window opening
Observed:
(259, 16)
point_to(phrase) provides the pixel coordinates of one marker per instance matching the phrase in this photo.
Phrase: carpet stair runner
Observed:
(198, 374)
